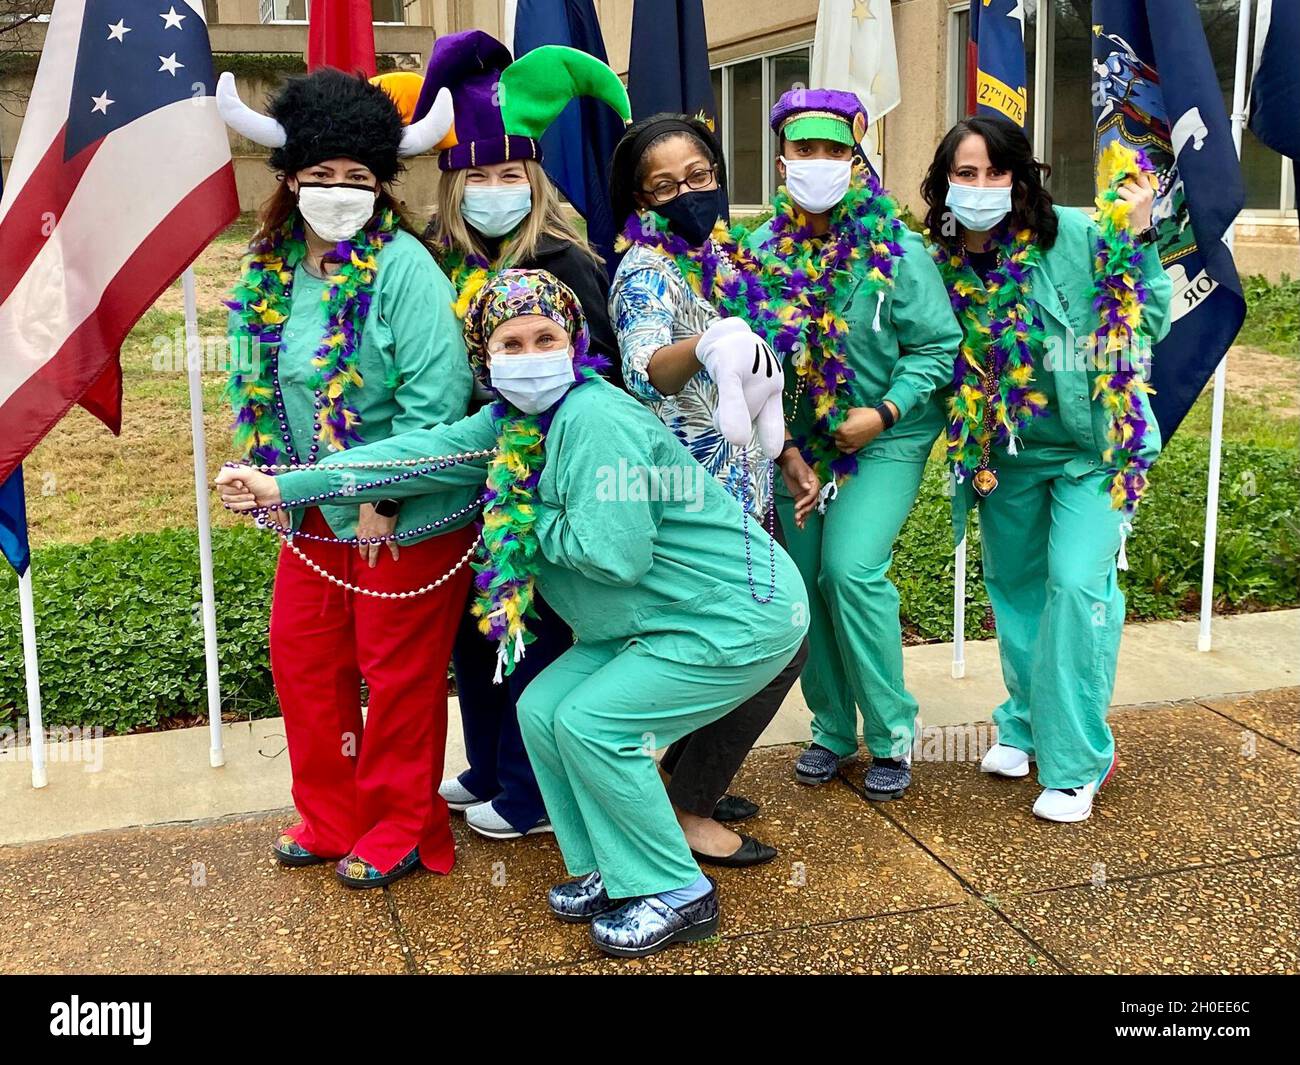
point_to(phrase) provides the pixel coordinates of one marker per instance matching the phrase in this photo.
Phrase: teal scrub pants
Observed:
(591, 722)
(855, 642)
(1049, 546)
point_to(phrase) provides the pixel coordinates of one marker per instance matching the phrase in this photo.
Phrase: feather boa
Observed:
(1118, 296)
(806, 280)
(262, 299)
(1000, 335)
(506, 571)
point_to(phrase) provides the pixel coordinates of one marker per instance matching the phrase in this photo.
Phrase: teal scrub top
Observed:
(638, 543)
(908, 361)
(1061, 288)
(413, 366)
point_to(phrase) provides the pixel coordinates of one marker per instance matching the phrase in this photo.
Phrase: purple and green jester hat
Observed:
(504, 105)
(820, 114)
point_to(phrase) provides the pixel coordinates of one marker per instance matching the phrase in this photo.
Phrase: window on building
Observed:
(296, 10)
(745, 91)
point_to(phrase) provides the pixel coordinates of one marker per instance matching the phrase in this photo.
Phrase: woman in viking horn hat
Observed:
(496, 208)
(351, 338)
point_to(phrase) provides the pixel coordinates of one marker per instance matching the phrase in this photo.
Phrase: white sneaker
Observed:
(1056, 805)
(456, 795)
(485, 820)
(1005, 761)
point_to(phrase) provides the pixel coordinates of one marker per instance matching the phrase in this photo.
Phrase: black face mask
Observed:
(692, 215)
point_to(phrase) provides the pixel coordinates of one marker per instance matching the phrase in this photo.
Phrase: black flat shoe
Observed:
(733, 808)
(750, 852)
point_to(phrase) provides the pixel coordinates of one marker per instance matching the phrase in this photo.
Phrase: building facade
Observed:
(760, 48)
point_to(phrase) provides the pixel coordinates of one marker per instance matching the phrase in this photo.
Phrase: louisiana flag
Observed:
(996, 80)
(1157, 90)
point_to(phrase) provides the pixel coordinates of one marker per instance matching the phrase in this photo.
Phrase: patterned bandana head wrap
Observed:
(505, 575)
(515, 293)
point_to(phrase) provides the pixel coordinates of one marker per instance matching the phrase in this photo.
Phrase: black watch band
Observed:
(1148, 236)
(387, 508)
(788, 445)
(886, 413)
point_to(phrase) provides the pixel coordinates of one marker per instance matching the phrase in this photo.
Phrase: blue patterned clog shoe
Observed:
(887, 779)
(578, 901)
(643, 926)
(354, 872)
(818, 765)
(288, 851)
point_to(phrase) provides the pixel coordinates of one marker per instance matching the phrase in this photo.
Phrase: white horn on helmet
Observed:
(258, 128)
(420, 136)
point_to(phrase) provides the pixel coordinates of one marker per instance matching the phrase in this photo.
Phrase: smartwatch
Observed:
(387, 508)
(886, 413)
(1149, 235)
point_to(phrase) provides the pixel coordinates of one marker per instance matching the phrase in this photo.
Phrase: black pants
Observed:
(702, 765)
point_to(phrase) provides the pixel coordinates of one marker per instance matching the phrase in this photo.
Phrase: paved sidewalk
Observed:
(164, 777)
(1188, 865)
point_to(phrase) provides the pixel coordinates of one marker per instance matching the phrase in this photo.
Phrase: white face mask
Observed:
(336, 212)
(494, 210)
(535, 380)
(978, 208)
(817, 185)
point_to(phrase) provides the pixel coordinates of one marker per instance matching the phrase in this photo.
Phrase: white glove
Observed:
(749, 379)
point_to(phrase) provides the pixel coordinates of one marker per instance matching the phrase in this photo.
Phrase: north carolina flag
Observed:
(996, 80)
(120, 177)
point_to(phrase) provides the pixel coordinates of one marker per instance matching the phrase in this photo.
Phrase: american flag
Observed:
(121, 175)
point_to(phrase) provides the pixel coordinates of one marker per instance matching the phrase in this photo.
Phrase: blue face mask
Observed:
(533, 381)
(978, 209)
(494, 210)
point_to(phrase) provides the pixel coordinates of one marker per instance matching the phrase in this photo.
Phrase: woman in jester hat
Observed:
(496, 207)
(863, 324)
(1051, 432)
(682, 607)
(351, 338)
(679, 301)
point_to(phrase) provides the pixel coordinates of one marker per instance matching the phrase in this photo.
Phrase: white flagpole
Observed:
(194, 369)
(31, 666)
(959, 612)
(1204, 640)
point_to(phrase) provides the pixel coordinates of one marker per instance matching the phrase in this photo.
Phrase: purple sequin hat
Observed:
(820, 114)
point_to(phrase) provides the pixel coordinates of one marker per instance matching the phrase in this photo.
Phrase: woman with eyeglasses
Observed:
(666, 184)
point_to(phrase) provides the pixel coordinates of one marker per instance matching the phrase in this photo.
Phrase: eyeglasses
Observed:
(667, 189)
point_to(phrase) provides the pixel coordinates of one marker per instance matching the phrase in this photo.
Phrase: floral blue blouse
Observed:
(652, 306)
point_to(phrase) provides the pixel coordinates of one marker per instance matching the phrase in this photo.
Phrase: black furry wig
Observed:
(328, 114)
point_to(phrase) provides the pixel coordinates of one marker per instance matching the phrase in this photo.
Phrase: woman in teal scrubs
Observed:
(682, 607)
(1053, 471)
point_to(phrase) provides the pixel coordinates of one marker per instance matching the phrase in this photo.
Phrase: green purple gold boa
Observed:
(1001, 333)
(1118, 297)
(261, 302)
(806, 280)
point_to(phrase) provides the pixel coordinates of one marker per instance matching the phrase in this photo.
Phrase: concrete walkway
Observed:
(1188, 865)
(160, 778)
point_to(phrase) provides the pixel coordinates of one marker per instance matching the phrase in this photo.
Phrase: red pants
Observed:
(378, 798)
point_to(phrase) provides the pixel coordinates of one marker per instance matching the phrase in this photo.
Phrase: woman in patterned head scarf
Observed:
(644, 556)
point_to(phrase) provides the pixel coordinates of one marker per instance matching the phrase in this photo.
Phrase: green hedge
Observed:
(120, 634)
(121, 641)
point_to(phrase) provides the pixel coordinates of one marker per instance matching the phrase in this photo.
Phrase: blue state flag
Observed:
(577, 148)
(998, 84)
(1157, 90)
